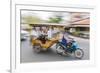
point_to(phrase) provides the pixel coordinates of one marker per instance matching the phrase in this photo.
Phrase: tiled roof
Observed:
(81, 22)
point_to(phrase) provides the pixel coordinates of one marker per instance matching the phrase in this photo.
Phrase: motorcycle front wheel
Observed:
(79, 53)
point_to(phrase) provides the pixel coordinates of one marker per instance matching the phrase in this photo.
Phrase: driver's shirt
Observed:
(65, 36)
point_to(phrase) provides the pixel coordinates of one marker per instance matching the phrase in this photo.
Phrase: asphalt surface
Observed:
(27, 55)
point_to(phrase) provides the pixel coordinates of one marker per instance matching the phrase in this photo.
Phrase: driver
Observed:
(65, 40)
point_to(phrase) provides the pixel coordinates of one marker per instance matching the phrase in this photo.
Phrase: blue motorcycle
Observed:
(64, 48)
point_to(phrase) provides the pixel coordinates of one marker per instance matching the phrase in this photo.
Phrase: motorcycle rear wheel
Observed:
(60, 50)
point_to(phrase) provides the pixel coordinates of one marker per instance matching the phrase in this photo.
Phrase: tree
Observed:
(55, 19)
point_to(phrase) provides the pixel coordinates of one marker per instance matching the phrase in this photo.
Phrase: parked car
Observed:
(84, 35)
(24, 35)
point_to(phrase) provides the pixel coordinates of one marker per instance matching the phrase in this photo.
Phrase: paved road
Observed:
(28, 56)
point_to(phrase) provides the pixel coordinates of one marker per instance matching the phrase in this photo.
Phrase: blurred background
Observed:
(77, 25)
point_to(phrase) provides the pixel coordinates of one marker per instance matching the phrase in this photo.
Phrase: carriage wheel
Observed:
(37, 49)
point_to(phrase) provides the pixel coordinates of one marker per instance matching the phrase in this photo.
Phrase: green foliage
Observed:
(55, 19)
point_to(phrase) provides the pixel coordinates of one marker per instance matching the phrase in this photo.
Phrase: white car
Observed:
(24, 35)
